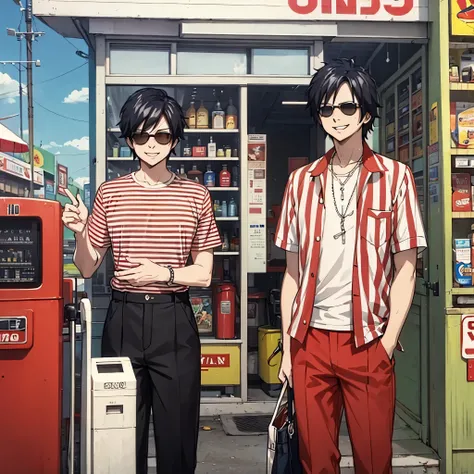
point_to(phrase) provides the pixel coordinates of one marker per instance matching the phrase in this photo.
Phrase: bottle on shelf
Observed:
(231, 116)
(182, 172)
(196, 175)
(235, 176)
(211, 148)
(232, 208)
(202, 117)
(225, 242)
(187, 151)
(209, 177)
(224, 177)
(224, 208)
(191, 116)
(218, 117)
(236, 241)
(217, 209)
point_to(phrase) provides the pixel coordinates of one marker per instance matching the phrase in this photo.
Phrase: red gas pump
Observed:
(31, 322)
(225, 311)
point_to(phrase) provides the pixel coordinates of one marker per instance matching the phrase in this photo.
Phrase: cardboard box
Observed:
(199, 151)
(462, 125)
(461, 187)
(462, 263)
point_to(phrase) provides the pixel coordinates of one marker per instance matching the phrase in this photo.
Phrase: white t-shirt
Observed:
(333, 301)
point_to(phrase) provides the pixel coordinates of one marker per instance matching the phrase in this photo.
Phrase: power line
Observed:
(59, 115)
(63, 74)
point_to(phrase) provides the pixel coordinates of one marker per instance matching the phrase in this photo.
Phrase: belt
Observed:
(154, 298)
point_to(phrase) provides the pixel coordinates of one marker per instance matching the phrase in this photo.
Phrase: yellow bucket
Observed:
(268, 341)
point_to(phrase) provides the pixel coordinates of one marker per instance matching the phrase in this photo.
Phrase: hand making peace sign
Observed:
(75, 214)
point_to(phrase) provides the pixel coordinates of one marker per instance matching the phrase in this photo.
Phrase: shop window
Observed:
(141, 61)
(285, 62)
(212, 62)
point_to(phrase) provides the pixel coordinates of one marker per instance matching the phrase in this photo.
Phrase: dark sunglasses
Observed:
(347, 108)
(163, 138)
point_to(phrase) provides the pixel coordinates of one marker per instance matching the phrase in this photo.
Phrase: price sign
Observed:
(13, 330)
(467, 344)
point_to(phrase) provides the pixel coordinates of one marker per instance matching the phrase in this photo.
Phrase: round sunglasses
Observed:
(347, 108)
(140, 138)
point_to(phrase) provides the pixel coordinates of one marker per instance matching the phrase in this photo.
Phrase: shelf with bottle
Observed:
(199, 120)
(224, 180)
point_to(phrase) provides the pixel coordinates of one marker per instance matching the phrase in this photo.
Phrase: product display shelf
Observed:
(461, 86)
(191, 130)
(229, 219)
(462, 151)
(177, 158)
(203, 158)
(214, 341)
(223, 253)
(462, 291)
(223, 188)
(463, 215)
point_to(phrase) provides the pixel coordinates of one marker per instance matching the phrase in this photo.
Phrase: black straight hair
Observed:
(147, 106)
(328, 80)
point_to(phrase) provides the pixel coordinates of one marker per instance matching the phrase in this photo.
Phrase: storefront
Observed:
(256, 71)
(15, 177)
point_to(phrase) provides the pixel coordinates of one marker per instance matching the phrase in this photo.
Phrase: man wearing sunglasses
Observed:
(153, 221)
(352, 227)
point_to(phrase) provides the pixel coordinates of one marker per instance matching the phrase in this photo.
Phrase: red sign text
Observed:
(351, 7)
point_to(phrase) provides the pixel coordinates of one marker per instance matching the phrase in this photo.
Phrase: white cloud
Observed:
(51, 145)
(82, 181)
(77, 96)
(79, 143)
(9, 88)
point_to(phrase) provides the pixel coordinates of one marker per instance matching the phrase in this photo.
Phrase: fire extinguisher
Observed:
(225, 311)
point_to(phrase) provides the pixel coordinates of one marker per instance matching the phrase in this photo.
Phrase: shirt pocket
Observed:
(379, 227)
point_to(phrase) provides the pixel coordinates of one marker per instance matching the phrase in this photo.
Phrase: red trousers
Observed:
(329, 374)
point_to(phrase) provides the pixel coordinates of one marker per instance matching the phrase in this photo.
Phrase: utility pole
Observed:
(21, 93)
(29, 73)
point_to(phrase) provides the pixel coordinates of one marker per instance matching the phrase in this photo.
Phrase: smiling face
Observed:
(340, 115)
(154, 144)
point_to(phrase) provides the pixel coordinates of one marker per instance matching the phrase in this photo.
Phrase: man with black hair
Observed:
(153, 221)
(352, 227)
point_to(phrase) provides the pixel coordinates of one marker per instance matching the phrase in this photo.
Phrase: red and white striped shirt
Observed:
(388, 221)
(164, 224)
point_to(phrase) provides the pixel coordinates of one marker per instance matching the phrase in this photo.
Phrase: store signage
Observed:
(368, 8)
(220, 364)
(467, 337)
(62, 179)
(462, 15)
(251, 10)
(39, 176)
(19, 168)
(257, 203)
(214, 361)
(467, 344)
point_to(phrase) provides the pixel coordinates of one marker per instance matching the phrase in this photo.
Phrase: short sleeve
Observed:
(286, 235)
(97, 223)
(207, 234)
(408, 228)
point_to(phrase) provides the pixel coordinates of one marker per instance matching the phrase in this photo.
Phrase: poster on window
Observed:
(62, 179)
(462, 15)
(257, 203)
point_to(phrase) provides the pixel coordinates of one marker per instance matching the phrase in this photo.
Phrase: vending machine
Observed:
(31, 322)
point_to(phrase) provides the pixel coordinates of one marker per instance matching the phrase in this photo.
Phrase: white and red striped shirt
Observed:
(388, 221)
(164, 224)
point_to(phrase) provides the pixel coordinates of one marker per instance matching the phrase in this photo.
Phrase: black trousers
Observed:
(160, 335)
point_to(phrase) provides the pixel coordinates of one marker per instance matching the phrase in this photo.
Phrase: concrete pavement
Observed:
(220, 453)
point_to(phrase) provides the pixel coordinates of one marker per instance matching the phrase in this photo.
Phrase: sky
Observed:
(61, 104)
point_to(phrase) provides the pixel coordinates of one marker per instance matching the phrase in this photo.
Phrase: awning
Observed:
(11, 143)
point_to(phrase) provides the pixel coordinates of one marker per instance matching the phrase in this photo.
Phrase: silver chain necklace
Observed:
(343, 214)
(348, 175)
